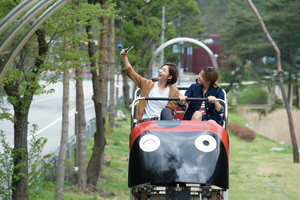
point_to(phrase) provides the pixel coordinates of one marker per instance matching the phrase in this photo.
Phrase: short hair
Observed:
(211, 74)
(173, 71)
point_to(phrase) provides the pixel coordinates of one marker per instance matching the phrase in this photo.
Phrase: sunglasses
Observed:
(208, 69)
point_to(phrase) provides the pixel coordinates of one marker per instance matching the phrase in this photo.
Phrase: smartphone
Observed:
(128, 49)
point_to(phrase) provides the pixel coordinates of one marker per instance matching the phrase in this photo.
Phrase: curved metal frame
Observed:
(22, 41)
(15, 13)
(13, 32)
(226, 111)
(182, 39)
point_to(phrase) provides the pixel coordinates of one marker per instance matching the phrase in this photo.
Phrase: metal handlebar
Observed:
(185, 88)
(168, 99)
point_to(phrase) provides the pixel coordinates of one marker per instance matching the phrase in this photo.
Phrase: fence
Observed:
(89, 130)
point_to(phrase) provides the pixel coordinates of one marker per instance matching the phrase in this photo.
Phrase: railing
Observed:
(90, 129)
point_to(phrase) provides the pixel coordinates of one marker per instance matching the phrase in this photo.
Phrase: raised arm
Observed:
(125, 59)
(136, 78)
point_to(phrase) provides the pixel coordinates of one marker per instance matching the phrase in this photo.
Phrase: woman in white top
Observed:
(154, 110)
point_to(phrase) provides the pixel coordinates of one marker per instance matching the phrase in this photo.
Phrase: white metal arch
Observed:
(30, 31)
(182, 39)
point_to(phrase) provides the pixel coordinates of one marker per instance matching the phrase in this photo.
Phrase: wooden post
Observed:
(234, 93)
(271, 89)
(291, 96)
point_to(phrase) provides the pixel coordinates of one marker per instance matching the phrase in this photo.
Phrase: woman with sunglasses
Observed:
(206, 87)
(154, 110)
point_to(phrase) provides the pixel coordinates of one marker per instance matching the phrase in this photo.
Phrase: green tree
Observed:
(243, 41)
(64, 134)
(283, 20)
(142, 28)
(280, 77)
(96, 161)
(63, 27)
(22, 81)
(213, 14)
(20, 84)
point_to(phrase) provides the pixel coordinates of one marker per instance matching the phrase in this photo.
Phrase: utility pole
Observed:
(76, 111)
(162, 37)
(119, 67)
(76, 128)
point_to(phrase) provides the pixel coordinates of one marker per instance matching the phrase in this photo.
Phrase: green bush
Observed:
(36, 163)
(7, 158)
(241, 132)
(253, 94)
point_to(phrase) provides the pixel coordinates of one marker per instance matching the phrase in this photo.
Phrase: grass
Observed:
(115, 172)
(114, 184)
(256, 172)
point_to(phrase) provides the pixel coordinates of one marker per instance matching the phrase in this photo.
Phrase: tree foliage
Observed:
(213, 14)
(245, 42)
(23, 79)
(142, 26)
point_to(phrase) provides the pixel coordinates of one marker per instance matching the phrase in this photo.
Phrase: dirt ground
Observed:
(273, 125)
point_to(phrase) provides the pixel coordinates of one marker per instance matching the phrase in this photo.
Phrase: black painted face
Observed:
(169, 157)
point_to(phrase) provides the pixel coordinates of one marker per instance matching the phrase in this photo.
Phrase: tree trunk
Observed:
(280, 76)
(297, 96)
(64, 138)
(81, 132)
(20, 142)
(112, 74)
(94, 164)
(93, 168)
(290, 99)
(103, 60)
(126, 91)
(21, 108)
(290, 95)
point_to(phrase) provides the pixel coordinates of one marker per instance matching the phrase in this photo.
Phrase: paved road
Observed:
(46, 112)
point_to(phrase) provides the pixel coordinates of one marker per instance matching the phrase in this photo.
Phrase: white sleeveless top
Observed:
(154, 108)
